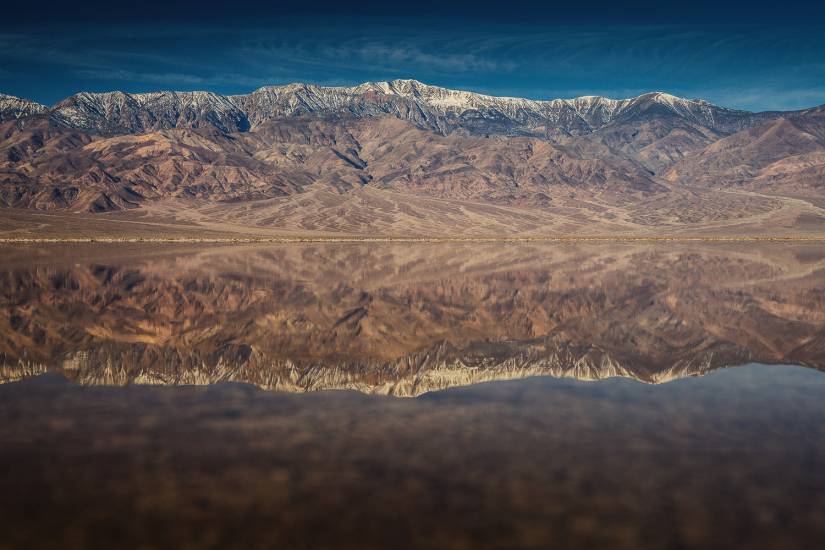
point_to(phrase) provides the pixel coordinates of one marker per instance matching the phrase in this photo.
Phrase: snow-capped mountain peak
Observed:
(449, 107)
(113, 111)
(433, 107)
(12, 107)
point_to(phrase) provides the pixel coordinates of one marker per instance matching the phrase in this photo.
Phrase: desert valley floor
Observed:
(374, 213)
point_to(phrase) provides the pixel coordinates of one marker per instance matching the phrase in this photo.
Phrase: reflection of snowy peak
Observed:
(431, 107)
(434, 369)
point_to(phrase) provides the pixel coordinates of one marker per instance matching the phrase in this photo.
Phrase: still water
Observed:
(413, 395)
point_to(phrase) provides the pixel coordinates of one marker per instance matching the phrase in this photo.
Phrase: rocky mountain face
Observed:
(446, 110)
(786, 152)
(12, 108)
(97, 152)
(429, 107)
(406, 320)
(48, 166)
(118, 112)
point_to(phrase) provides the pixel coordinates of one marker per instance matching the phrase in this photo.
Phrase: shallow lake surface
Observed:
(413, 395)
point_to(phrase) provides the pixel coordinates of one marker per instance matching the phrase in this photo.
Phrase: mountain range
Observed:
(426, 106)
(402, 157)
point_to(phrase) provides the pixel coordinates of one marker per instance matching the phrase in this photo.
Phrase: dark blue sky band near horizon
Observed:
(753, 56)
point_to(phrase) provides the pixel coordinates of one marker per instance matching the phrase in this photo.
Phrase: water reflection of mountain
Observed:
(407, 319)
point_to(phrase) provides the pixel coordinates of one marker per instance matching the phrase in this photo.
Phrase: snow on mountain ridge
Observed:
(592, 112)
(436, 95)
(433, 107)
(12, 107)
(107, 111)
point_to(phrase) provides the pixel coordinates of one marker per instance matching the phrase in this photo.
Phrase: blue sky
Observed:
(752, 59)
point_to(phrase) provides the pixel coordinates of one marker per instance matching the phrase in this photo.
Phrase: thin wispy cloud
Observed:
(170, 80)
(774, 68)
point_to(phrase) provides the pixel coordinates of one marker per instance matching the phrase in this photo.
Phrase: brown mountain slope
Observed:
(70, 169)
(656, 144)
(785, 155)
